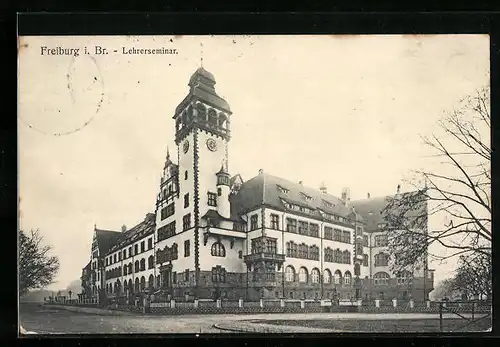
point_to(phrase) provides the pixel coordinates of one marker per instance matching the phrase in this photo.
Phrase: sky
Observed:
(348, 111)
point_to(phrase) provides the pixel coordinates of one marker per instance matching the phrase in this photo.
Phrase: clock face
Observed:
(212, 145)
(185, 147)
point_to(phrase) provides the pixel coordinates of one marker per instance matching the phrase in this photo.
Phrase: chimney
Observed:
(124, 228)
(261, 171)
(399, 188)
(300, 182)
(323, 189)
(346, 196)
(368, 195)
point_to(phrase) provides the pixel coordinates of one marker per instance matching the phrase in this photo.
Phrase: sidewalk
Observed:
(262, 328)
(92, 310)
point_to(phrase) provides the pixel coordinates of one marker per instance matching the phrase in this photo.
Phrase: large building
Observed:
(214, 235)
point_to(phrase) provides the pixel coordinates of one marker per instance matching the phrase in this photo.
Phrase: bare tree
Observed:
(37, 268)
(474, 274)
(458, 193)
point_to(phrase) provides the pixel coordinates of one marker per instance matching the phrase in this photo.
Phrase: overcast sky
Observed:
(346, 110)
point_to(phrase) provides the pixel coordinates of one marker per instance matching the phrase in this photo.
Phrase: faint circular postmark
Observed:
(67, 100)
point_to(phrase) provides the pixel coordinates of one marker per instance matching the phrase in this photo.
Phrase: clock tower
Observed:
(202, 133)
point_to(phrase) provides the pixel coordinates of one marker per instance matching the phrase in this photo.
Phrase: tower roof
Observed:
(203, 73)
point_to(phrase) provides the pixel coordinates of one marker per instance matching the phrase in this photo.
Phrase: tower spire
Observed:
(168, 154)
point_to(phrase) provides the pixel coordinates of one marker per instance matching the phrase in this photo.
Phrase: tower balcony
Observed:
(264, 256)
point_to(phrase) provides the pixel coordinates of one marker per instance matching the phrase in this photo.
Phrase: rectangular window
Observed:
(328, 233)
(186, 222)
(253, 222)
(136, 249)
(291, 225)
(365, 240)
(271, 246)
(143, 246)
(107, 261)
(303, 228)
(275, 222)
(346, 236)
(124, 254)
(120, 256)
(150, 243)
(365, 259)
(314, 230)
(130, 254)
(187, 247)
(167, 211)
(212, 199)
(186, 200)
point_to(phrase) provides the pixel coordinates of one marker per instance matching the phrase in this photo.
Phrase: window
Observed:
(167, 211)
(381, 259)
(212, 199)
(314, 230)
(365, 240)
(365, 259)
(282, 190)
(151, 262)
(291, 225)
(143, 246)
(240, 254)
(186, 200)
(328, 233)
(346, 257)
(347, 278)
(328, 255)
(166, 231)
(275, 222)
(381, 278)
(289, 274)
(219, 191)
(327, 276)
(306, 197)
(143, 264)
(218, 250)
(185, 175)
(337, 235)
(186, 275)
(359, 231)
(187, 246)
(124, 254)
(124, 270)
(303, 228)
(404, 277)
(313, 253)
(380, 240)
(346, 236)
(136, 249)
(130, 268)
(218, 274)
(303, 275)
(303, 251)
(253, 222)
(130, 254)
(120, 256)
(186, 222)
(150, 243)
(315, 275)
(136, 266)
(337, 277)
(107, 261)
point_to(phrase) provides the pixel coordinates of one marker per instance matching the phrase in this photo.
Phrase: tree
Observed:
(37, 268)
(458, 193)
(473, 276)
(443, 288)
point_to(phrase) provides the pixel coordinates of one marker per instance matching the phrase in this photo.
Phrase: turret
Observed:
(223, 190)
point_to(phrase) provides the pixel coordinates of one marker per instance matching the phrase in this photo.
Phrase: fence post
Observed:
(377, 303)
(428, 303)
(195, 303)
(240, 302)
(218, 303)
(395, 302)
(412, 304)
(282, 302)
(440, 316)
(473, 309)
(172, 303)
(302, 303)
(261, 302)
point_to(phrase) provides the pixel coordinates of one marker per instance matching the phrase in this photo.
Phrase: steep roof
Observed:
(146, 227)
(374, 209)
(106, 239)
(266, 189)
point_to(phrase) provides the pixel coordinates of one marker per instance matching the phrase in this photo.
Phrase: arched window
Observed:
(303, 275)
(143, 283)
(289, 274)
(315, 275)
(381, 278)
(143, 264)
(347, 278)
(130, 287)
(337, 277)
(151, 282)
(222, 120)
(136, 266)
(327, 276)
(137, 288)
(130, 268)
(212, 116)
(151, 262)
(118, 286)
(218, 250)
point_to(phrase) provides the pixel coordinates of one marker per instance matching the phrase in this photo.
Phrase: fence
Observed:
(479, 311)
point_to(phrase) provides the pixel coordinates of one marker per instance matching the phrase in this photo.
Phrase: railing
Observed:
(264, 256)
(479, 311)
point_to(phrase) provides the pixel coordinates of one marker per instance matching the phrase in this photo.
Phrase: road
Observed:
(43, 320)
